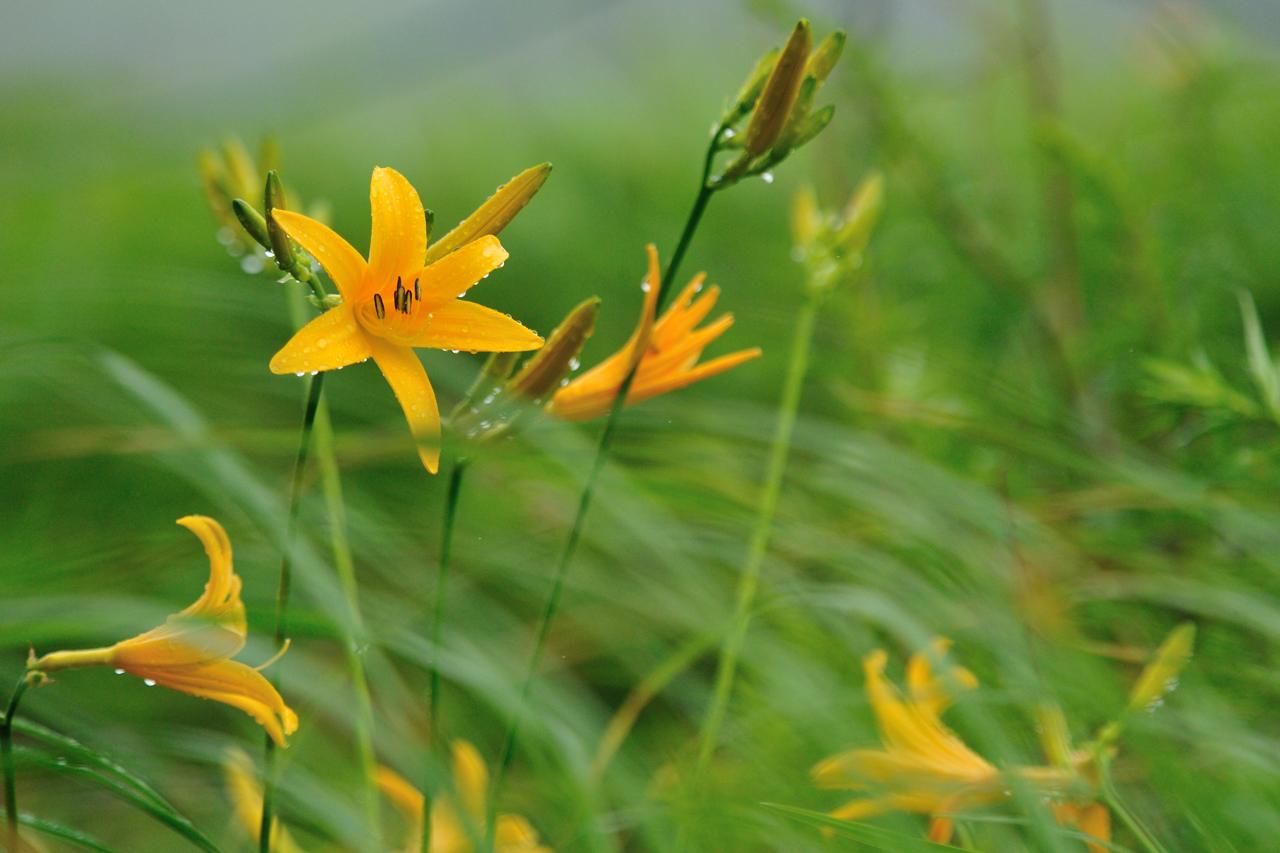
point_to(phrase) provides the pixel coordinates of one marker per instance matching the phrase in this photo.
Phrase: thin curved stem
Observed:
(696, 211)
(437, 630)
(749, 581)
(315, 387)
(6, 757)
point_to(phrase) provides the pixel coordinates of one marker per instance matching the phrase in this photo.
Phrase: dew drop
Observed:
(251, 264)
(150, 682)
(300, 373)
(767, 177)
(119, 672)
(574, 364)
(322, 343)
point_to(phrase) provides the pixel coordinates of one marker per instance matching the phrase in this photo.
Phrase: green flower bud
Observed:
(251, 221)
(281, 245)
(780, 91)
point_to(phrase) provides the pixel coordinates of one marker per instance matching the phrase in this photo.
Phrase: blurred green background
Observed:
(1036, 425)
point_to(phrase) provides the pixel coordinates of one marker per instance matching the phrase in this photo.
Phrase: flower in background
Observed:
(925, 767)
(246, 800)
(667, 351)
(407, 295)
(450, 832)
(192, 650)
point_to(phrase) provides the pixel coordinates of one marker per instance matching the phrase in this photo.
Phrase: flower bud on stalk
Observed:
(492, 216)
(281, 245)
(780, 92)
(254, 224)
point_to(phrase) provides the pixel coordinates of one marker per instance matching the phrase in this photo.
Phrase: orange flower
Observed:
(667, 350)
(403, 297)
(513, 833)
(925, 767)
(192, 650)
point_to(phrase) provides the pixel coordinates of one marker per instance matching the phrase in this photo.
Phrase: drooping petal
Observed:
(408, 379)
(343, 263)
(332, 340)
(929, 691)
(409, 801)
(398, 242)
(454, 274)
(231, 683)
(459, 325)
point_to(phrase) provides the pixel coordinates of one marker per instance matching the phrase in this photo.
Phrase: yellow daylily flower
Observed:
(667, 349)
(396, 301)
(925, 767)
(246, 800)
(513, 834)
(192, 650)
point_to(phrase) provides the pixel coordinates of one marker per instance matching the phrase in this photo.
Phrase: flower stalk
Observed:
(6, 757)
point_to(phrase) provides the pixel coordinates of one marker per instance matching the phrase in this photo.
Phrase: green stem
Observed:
(749, 582)
(437, 629)
(314, 388)
(1112, 798)
(354, 642)
(6, 756)
(705, 192)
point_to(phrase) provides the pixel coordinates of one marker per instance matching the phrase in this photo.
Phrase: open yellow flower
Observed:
(192, 650)
(925, 767)
(449, 834)
(667, 349)
(402, 297)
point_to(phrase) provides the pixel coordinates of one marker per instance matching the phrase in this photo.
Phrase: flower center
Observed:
(403, 320)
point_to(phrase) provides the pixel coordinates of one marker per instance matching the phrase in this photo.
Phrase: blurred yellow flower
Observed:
(667, 350)
(449, 834)
(925, 767)
(192, 650)
(404, 297)
(246, 800)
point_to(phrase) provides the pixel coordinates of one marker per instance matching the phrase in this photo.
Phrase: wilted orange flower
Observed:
(449, 834)
(668, 351)
(399, 299)
(192, 650)
(925, 767)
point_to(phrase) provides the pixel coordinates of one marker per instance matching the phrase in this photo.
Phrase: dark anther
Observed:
(406, 304)
(397, 297)
(379, 306)
(417, 291)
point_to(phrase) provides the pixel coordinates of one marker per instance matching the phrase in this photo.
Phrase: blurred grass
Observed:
(942, 481)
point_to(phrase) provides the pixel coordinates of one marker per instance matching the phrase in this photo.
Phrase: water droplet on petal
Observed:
(150, 682)
(119, 672)
(767, 177)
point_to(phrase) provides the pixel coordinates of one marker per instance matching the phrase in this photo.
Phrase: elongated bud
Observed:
(281, 246)
(751, 88)
(1055, 737)
(484, 390)
(542, 373)
(780, 91)
(254, 224)
(241, 172)
(860, 215)
(1161, 674)
(213, 180)
(806, 219)
(825, 56)
(269, 154)
(496, 212)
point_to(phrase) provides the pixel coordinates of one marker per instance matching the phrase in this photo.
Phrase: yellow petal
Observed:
(398, 243)
(231, 683)
(343, 263)
(454, 274)
(460, 325)
(408, 800)
(408, 379)
(514, 834)
(470, 779)
(246, 801)
(644, 390)
(1092, 819)
(217, 545)
(332, 340)
(494, 215)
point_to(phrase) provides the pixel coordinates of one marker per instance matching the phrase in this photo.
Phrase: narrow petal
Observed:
(398, 243)
(514, 834)
(454, 274)
(460, 325)
(246, 799)
(231, 683)
(218, 546)
(332, 340)
(470, 779)
(408, 800)
(408, 379)
(642, 391)
(343, 263)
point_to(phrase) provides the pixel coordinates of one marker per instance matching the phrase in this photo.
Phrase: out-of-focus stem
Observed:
(434, 741)
(749, 581)
(6, 757)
